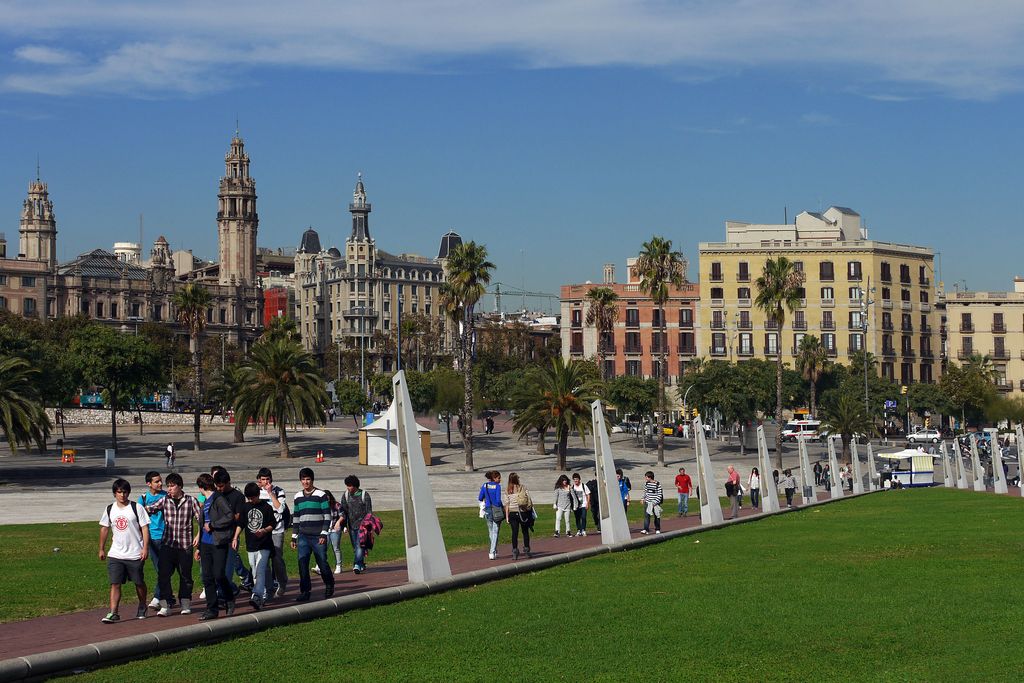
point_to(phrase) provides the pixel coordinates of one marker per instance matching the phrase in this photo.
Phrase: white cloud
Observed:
(816, 118)
(958, 49)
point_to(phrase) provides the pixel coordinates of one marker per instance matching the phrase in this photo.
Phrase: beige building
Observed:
(353, 299)
(858, 293)
(989, 324)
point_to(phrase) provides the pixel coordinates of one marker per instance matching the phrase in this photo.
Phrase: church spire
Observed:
(360, 210)
(237, 220)
(38, 229)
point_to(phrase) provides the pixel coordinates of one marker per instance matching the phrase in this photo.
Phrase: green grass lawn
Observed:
(37, 581)
(905, 586)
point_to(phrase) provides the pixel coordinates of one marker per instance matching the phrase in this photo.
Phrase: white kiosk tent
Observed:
(379, 448)
(914, 469)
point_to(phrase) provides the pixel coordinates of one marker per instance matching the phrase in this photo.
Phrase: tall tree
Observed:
(660, 267)
(282, 327)
(559, 399)
(845, 415)
(602, 312)
(191, 303)
(22, 417)
(779, 290)
(282, 385)
(468, 273)
(811, 361)
(225, 389)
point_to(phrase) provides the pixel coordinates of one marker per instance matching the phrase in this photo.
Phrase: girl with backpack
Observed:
(518, 514)
(494, 510)
(580, 503)
(563, 504)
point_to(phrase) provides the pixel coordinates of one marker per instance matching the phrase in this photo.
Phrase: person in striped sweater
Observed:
(653, 499)
(311, 521)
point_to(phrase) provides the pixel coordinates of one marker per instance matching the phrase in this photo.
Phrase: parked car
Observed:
(824, 434)
(796, 428)
(925, 436)
(624, 428)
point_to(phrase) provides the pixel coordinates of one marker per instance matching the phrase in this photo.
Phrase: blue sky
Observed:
(561, 134)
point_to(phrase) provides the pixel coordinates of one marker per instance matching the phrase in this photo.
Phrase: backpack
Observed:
(523, 499)
(135, 509)
(286, 517)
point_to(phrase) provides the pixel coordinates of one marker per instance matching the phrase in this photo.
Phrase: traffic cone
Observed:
(319, 456)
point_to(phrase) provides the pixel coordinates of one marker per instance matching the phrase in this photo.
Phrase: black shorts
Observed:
(122, 571)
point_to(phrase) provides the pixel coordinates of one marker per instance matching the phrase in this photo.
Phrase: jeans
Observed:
(684, 503)
(735, 510)
(258, 560)
(335, 540)
(755, 497)
(581, 518)
(310, 545)
(492, 530)
(236, 566)
(595, 513)
(215, 563)
(154, 556)
(649, 512)
(358, 552)
(789, 497)
(276, 569)
(559, 516)
(171, 560)
(518, 524)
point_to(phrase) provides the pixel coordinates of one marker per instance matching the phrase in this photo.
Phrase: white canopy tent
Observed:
(378, 442)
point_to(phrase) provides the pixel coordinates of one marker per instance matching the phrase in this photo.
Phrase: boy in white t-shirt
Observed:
(129, 524)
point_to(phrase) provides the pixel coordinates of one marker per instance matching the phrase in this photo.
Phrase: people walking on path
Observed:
(494, 510)
(595, 502)
(334, 533)
(355, 506)
(684, 485)
(562, 504)
(311, 524)
(788, 484)
(580, 503)
(259, 543)
(127, 524)
(519, 514)
(732, 485)
(234, 565)
(182, 518)
(826, 477)
(654, 498)
(817, 473)
(277, 571)
(225, 522)
(169, 454)
(154, 492)
(754, 485)
(624, 488)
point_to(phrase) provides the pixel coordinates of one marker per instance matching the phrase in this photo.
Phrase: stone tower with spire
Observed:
(360, 250)
(237, 221)
(38, 226)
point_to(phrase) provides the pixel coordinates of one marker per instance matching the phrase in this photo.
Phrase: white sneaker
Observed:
(202, 596)
(583, 533)
(492, 556)
(658, 531)
(164, 612)
(337, 569)
(316, 569)
(186, 606)
(154, 603)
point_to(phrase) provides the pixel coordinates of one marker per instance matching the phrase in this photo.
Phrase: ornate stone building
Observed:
(353, 300)
(123, 293)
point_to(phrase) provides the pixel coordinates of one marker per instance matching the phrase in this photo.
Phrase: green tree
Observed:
(660, 267)
(126, 367)
(191, 303)
(633, 396)
(811, 361)
(779, 290)
(282, 386)
(22, 417)
(560, 399)
(602, 312)
(448, 398)
(468, 273)
(970, 388)
(845, 415)
(351, 399)
(282, 327)
(225, 389)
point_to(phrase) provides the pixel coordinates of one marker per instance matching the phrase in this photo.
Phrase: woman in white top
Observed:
(580, 503)
(754, 484)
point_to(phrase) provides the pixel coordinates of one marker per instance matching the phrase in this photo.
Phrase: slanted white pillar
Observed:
(809, 494)
(833, 469)
(978, 473)
(1019, 430)
(425, 555)
(769, 491)
(858, 482)
(948, 471)
(961, 471)
(614, 527)
(710, 506)
(998, 476)
(872, 470)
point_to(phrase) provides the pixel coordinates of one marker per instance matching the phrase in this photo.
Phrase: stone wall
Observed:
(87, 416)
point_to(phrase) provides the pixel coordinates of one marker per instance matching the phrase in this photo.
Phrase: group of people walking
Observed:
(734, 488)
(174, 529)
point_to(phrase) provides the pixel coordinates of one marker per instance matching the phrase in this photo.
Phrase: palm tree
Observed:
(602, 314)
(281, 385)
(22, 417)
(779, 289)
(225, 388)
(282, 327)
(660, 267)
(846, 416)
(467, 273)
(560, 401)
(191, 303)
(811, 361)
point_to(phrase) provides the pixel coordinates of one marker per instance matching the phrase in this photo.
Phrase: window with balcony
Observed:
(904, 274)
(799, 322)
(888, 372)
(718, 320)
(687, 343)
(609, 369)
(922, 276)
(655, 368)
(856, 320)
(886, 320)
(965, 323)
(966, 347)
(632, 317)
(633, 368)
(28, 307)
(825, 271)
(853, 270)
(906, 324)
(907, 345)
(718, 344)
(686, 317)
(576, 317)
(999, 348)
(925, 327)
(716, 272)
(743, 293)
(576, 342)
(906, 373)
(886, 294)
(745, 345)
(828, 294)
(744, 272)
(828, 340)
(744, 322)
(633, 342)
(655, 318)
(827, 323)
(855, 293)
(798, 266)
(856, 342)
(717, 293)
(926, 373)
(924, 296)
(771, 343)
(659, 342)
(886, 272)
(887, 348)
(797, 338)
(997, 323)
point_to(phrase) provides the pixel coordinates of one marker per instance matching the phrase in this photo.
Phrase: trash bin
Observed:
(111, 456)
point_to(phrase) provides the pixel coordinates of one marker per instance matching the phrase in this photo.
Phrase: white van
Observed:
(797, 428)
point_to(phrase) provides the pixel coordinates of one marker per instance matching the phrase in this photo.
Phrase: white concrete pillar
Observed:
(614, 527)
(948, 471)
(961, 471)
(858, 481)
(998, 477)
(425, 554)
(1019, 430)
(769, 490)
(809, 494)
(833, 468)
(977, 472)
(872, 470)
(710, 506)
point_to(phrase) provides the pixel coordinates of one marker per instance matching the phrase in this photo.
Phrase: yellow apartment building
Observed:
(990, 324)
(858, 293)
